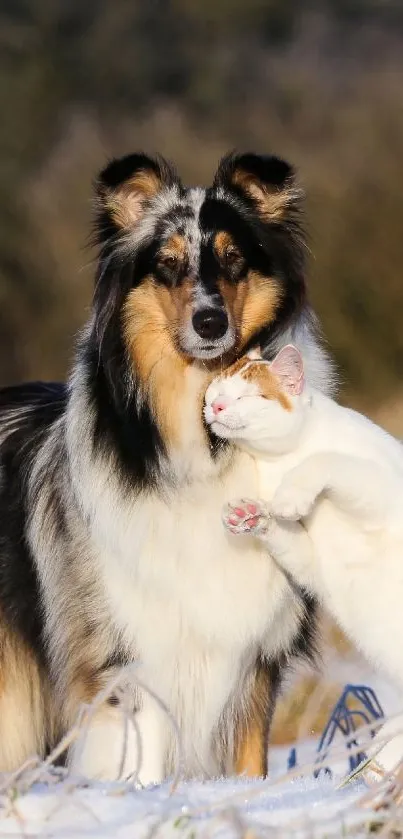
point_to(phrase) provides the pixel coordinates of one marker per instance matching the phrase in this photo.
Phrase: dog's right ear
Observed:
(266, 181)
(126, 185)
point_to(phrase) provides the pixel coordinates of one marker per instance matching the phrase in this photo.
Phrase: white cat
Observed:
(342, 476)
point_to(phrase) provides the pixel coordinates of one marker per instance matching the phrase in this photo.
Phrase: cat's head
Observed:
(257, 400)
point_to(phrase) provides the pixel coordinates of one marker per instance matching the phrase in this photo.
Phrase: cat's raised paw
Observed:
(246, 516)
(292, 502)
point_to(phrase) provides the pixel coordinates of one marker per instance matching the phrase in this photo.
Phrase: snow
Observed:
(223, 808)
(45, 802)
(288, 804)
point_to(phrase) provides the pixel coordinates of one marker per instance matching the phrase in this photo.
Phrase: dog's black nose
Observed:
(210, 324)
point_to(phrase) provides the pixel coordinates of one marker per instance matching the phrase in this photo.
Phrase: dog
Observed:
(112, 550)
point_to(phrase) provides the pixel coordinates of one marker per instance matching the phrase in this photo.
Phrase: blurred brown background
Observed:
(320, 83)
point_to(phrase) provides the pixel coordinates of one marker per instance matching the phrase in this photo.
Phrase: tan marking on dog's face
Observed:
(174, 248)
(151, 317)
(260, 304)
(125, 203)
(170, 308)
(252, 304)
(225, 246)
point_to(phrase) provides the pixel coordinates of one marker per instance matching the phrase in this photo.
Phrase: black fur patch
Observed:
(304, 645)
(27, 412)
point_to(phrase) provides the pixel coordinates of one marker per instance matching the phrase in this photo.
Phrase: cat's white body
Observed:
(357, 564)
(342, 476)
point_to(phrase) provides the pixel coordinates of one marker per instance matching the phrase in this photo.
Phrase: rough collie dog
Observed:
(112, 549)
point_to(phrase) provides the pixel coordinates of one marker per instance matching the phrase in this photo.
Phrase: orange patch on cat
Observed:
(261, 375)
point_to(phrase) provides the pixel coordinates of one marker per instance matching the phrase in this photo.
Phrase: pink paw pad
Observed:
(246, 510)
(244, 516)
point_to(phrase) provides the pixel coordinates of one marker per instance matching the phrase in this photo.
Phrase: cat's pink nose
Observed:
(218, 406)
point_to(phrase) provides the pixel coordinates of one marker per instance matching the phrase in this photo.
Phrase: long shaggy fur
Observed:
(111, 545)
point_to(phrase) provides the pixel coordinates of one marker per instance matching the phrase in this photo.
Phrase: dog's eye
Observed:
(231, 256)
(170, 262)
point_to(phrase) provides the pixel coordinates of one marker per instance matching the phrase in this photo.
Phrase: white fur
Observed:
(343, 476)
(184, 598)
(115, 746)
(190, 607)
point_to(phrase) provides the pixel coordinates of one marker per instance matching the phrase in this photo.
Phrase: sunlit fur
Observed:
(112, 549)
(331, 516)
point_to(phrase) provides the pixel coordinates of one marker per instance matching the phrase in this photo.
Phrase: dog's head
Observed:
(208, 271)
(189, 279)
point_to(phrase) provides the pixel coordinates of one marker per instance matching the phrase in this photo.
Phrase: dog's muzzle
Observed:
(211, 324)
(209, 333)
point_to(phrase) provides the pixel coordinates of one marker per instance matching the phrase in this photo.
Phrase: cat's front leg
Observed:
(296, 496)
(287, 542)
(357, 486)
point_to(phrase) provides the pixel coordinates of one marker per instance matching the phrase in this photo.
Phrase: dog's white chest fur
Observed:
(194, 603)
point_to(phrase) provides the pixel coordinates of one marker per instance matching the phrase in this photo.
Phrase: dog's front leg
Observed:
(120, 746)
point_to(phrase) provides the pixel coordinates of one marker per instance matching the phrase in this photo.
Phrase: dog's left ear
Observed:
(267, 181)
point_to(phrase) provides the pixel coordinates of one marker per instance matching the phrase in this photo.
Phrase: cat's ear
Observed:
(288, 366)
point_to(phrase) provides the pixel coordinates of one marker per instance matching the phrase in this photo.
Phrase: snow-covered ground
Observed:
(48, 804)
(224, 808)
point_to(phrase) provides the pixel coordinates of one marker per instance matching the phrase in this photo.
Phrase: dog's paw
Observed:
(246, 516)
(293, 501)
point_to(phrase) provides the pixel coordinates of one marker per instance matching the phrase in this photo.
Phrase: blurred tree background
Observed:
(320, 83)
